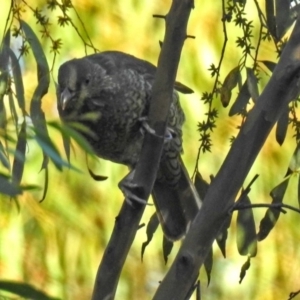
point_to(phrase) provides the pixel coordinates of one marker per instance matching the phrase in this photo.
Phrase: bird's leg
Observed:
(170, 133)
(131, 189)
(146, 126)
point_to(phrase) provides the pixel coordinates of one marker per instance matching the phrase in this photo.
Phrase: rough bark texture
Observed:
(282, 87)
(129, 217)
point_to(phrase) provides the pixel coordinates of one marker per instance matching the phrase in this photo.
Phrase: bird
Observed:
(109, 93)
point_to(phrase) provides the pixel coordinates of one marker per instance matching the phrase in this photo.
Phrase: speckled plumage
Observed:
(117, 87)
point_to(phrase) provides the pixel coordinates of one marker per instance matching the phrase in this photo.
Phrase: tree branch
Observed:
(282, 87)
(145, 173)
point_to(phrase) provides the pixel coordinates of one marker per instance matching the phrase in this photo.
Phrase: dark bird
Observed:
(115, 88)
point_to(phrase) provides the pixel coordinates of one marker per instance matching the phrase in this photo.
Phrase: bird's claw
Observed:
(170, 133)
(146, 126)
(127, 189)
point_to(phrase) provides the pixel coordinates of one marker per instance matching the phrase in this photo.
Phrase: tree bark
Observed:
(282, 88)
(127, 222)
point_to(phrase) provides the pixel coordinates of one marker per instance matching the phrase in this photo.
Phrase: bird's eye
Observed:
(87, 80)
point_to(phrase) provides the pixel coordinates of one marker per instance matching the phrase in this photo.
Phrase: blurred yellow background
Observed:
(57, 245)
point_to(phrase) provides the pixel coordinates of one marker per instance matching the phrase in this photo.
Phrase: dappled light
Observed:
(53, 235)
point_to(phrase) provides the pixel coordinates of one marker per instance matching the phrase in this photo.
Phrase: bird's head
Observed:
(76, 81)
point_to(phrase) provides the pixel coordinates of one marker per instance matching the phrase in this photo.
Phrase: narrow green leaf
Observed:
(246, 233)
(151, 228)
(45, 184)
(3, 118)
(7, 187)
(299, 190)
(4, 60)
(269, 64)
(67, 145)
(180, 87)
(24, 290)
(71, 130)
(13, 111)
(282, 126)
(18, 80)
(51, 151)
(3, 157)
(229, 84)
(19, 159)
(38, 52)
(241, 101)
(30, 187)
(294, 165)
(4, 78)
(36, 113)
(201, 185)
(270, 14)
(208, 264)
(245, 268)
(167, 248)
(45, 161)
(294, 11)
(252, 84)
(4, 52)
(222, 236)
(282, 17)
(272, 214)
(96, 177)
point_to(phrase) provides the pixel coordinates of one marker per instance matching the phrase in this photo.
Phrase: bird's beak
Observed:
(65, 97)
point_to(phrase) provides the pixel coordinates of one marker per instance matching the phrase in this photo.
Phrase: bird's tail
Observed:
(176, 206)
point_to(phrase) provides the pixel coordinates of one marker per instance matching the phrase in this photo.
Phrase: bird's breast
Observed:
(117, 132)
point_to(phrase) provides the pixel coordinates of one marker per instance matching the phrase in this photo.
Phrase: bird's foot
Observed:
(130, 190)
(170, 133)
(146, 126)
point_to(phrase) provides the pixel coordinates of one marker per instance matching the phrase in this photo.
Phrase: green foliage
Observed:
(24, 290)
(236, 84)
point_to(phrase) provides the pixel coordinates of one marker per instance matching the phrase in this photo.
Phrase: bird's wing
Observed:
(114, 62)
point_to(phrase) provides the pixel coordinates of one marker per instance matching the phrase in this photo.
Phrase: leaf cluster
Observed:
(20, 122)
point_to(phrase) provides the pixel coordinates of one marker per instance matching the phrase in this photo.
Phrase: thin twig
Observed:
(214, 89)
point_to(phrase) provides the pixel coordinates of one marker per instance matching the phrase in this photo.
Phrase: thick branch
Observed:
(145, 173)
(282, 86)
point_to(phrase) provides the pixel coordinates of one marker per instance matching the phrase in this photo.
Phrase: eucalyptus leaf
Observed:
(4, 61)
(19, 160)
(36, 113)
(201, 185)
(151, 228)
(208, 264)
(167, 248)
(294, 165)
(270, 15)
(70, 130)
(246, 233)
(241, 101)
(18, 80)
(24, 290)
(299, 190)
(272, 214)
(229, 84)
(244, 269)
(51, 151)
(282, 126)
(252, 84)
(46, 184)
(3, 157)
(222, 236)
(282, 17)
(7, 187)
(13, 110)
(38, 52)
(269, 64)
